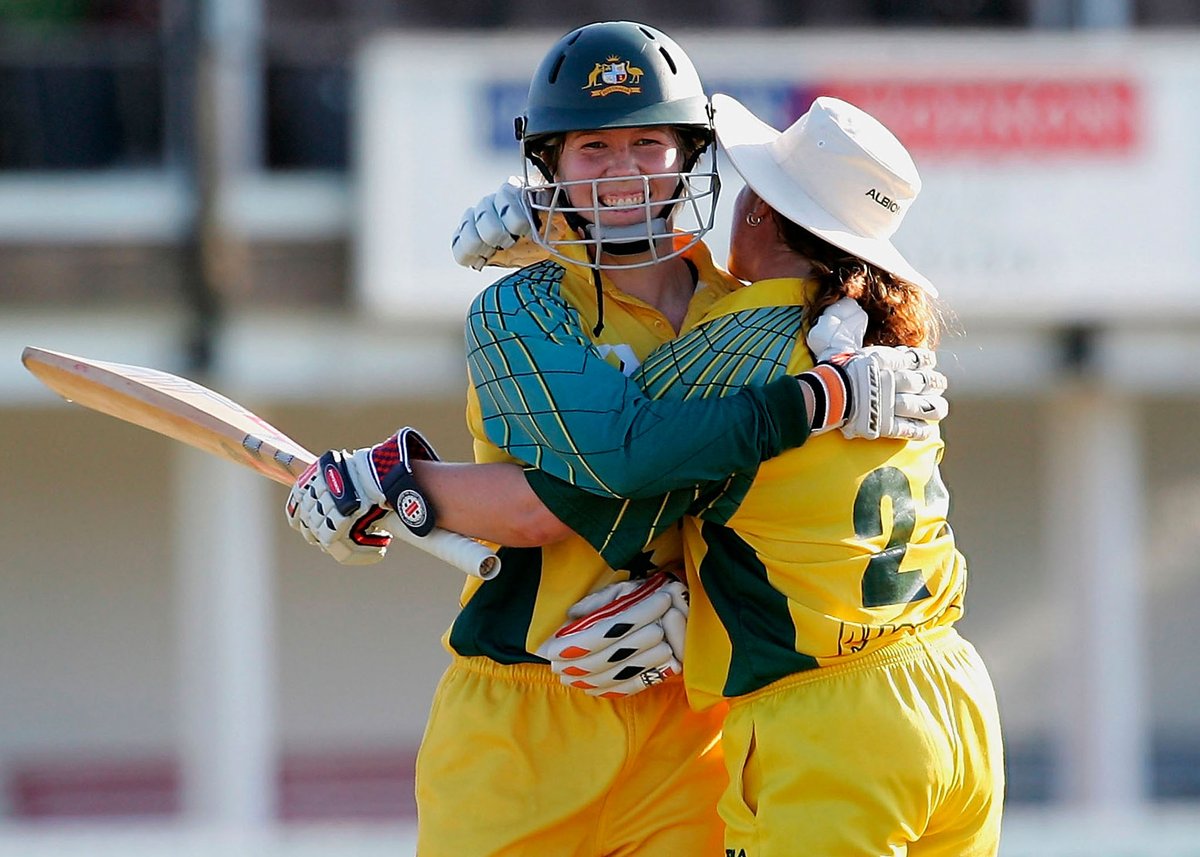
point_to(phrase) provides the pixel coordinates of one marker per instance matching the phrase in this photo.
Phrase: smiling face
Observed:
(611, 170)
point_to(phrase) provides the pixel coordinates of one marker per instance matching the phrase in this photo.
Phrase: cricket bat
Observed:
(186, 411)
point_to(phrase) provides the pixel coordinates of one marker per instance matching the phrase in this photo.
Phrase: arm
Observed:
(489, 501)
(549, 399)
(617, 528)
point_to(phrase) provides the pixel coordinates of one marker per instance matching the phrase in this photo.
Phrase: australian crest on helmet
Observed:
(614, 75)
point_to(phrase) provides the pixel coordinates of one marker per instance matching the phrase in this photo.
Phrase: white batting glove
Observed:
(623, 638)
(878, 392)
(338, 501)
(918, 395)
(840, 329)
(494, 223)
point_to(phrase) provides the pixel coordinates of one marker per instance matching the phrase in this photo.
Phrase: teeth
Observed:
(626, 201)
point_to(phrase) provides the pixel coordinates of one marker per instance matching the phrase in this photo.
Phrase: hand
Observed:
(910, 401)
(337, 503)
(495, 223)
(623, 638)
(878, 392)
(839, 329)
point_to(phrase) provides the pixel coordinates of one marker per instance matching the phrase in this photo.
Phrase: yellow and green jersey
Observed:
(544, 392)
(809, 559)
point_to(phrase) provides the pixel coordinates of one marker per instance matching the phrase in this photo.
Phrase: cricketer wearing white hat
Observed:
(836, 171)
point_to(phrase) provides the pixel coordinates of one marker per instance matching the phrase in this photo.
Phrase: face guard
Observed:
(654, 238)
(618, 74)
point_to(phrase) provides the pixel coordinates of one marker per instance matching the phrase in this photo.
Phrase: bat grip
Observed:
(467, 555)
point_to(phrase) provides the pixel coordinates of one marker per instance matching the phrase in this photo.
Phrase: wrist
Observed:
(384, 475)
(827, 396)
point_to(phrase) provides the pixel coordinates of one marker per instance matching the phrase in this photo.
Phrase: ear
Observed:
(757, 207)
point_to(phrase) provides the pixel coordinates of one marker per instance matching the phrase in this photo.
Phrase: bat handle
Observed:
(467, 555)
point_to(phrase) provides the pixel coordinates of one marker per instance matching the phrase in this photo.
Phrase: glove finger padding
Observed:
(892, 391)
(906, 428)
(931, 407)
(469, 249)
(659, 663)
(366, 547)
(901, 356)
(623, 638)
(647, 678)
(316, 512)
(339, 501)
(674, 625)
(508, 204)
(495, 223)
(599, 629)
(604, 659)
(923, 381)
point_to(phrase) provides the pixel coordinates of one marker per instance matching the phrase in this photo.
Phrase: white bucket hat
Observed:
(837, 171)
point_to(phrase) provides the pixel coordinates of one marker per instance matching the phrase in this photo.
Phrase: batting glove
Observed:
(337, 503)
(839, 329)
(623, 638)
(878, 392)
(495, 223)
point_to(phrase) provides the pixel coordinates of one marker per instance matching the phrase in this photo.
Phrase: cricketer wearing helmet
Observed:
(560, 771)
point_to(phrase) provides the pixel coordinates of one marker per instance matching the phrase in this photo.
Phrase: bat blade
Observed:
(173, 406)
(193, 414)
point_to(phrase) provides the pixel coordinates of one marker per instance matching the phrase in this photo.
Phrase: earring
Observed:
(753, 219)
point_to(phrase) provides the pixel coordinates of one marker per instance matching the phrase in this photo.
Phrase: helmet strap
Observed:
(618, 240)
(599, 300)
(542, 166)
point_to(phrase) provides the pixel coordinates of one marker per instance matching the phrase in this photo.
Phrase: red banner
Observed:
(1004, 116)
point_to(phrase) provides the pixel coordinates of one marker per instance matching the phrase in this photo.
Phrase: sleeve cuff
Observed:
(785, 404)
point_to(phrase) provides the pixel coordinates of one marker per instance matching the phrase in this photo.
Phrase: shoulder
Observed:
(531, 301)
(539, 282)
(545, 275)
(764, 294)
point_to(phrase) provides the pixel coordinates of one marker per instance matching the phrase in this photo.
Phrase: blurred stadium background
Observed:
(260, 193)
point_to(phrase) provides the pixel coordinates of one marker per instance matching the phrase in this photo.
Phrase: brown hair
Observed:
(898, 312)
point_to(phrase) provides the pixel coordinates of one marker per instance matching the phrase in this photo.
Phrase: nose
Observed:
(622, 162)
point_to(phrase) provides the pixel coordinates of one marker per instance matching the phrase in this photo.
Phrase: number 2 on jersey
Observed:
(883, 582)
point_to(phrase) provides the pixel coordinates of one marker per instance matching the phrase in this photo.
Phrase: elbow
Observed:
(629, 483)
(536, 526)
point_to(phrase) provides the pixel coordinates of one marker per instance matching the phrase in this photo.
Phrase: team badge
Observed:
(411, 506)
(614, 75)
